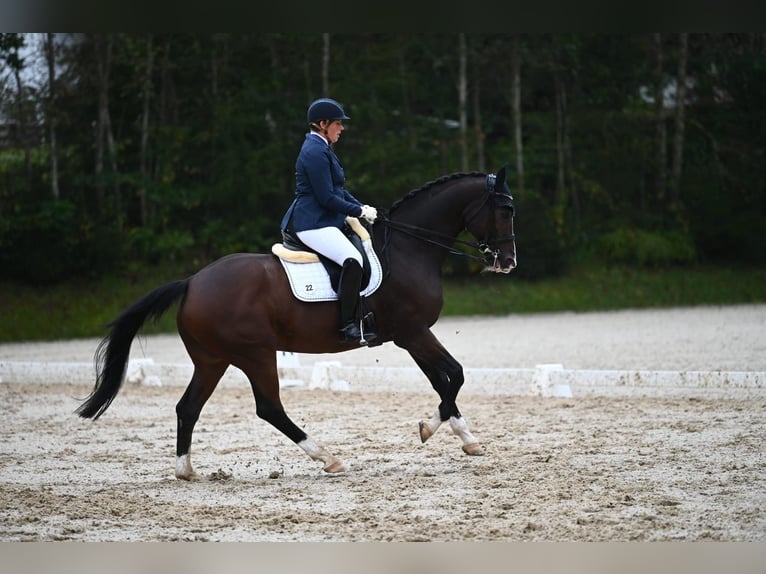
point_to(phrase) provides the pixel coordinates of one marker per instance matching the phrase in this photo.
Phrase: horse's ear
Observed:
(501, 175)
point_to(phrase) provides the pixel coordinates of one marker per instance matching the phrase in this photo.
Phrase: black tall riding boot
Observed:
(348, 295)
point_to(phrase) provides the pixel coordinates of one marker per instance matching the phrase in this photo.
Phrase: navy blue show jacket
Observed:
(320, 198)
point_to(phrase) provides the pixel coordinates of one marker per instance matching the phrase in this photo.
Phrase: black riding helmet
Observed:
(325, 109)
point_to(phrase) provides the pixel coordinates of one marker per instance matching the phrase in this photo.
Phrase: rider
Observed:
(318, 212)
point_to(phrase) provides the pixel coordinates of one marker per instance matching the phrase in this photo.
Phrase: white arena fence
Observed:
(549, 380)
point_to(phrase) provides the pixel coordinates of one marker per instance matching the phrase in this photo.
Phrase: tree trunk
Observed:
(516, 111)
(147, 95)
(659, 116)
(165, 82)
(326, 64)
(678, 136)
(568, 161)
(99, 135)
(104, 62)
(51, 60)
(407, 111)
(478, 128)
(163, 112)
(22, 118)
(560, 193)
(462, 101)
(276, 80)
(274, 120)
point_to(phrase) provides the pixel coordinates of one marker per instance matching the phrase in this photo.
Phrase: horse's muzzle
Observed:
(497, 264)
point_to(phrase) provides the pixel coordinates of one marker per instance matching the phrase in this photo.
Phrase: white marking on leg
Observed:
(317, 452)
(435, 422)
(184, 470)
(428, 428)
(460, 428)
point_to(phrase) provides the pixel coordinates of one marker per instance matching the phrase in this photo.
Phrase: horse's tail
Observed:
(113, 351)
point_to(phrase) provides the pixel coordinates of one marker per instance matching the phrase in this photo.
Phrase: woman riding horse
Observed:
(322, 204)
(239, 310)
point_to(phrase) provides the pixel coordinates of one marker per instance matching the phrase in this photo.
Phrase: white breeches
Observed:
(330, 242)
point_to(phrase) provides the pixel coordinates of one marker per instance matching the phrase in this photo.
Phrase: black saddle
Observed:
(290, 241)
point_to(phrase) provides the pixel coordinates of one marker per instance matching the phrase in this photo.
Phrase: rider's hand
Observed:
(369, 213)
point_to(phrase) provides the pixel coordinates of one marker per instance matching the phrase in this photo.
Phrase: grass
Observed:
(78, 308)
(83, 307)
(606, 288)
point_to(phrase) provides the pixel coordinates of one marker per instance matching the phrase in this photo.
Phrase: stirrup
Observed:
(351, 332)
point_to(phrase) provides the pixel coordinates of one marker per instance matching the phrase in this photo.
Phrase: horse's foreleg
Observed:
(470, 444)
(440, 383)
(459, 427)
(446, 376)
(428, 428)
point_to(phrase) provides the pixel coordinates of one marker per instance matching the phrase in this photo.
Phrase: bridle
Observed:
(495, 199)
(488, 246)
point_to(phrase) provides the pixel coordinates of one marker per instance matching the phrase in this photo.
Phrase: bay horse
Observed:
(239, 310)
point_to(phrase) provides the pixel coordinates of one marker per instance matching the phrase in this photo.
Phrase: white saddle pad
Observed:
(310, 281)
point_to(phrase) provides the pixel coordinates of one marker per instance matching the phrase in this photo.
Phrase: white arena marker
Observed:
(142, 372)
(288, 362)
(546, 380)
(320, 374)
(339, 385)
(544, 384)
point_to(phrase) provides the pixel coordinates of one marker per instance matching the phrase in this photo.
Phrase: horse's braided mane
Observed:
(431, 184)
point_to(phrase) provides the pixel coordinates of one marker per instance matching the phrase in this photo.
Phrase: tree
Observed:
(188, 140)
(104, 46)
(563, 62)
(11, 44)
(146, 92)
(660, 144)
(678, 136)
(516, 110)
(50, 54)
(326, 64)
(462, 90)
(477, 121)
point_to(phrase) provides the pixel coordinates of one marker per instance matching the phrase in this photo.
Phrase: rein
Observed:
(426, 235)
(422, 233)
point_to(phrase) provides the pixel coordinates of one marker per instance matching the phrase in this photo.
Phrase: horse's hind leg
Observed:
(202, 384)
(261, 370)
(446, 376)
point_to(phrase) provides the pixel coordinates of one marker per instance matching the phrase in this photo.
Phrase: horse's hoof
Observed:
(190, 477)
(335, 467)
(425, 431)
(474, 449)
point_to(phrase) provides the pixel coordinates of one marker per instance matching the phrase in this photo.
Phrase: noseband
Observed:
(494, 198)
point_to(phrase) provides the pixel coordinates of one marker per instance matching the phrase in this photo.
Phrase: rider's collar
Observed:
(320, 136)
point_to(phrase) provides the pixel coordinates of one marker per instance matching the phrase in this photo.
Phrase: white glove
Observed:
(369, 213)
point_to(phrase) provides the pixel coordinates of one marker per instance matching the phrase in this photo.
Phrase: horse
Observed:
(239, 310)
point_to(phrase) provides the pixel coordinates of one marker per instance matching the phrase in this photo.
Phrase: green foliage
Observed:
(82, 307)
(540, 250)
(596, 287)
(152, 247)
(646, 248)
(51, 242)
(226, 117)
